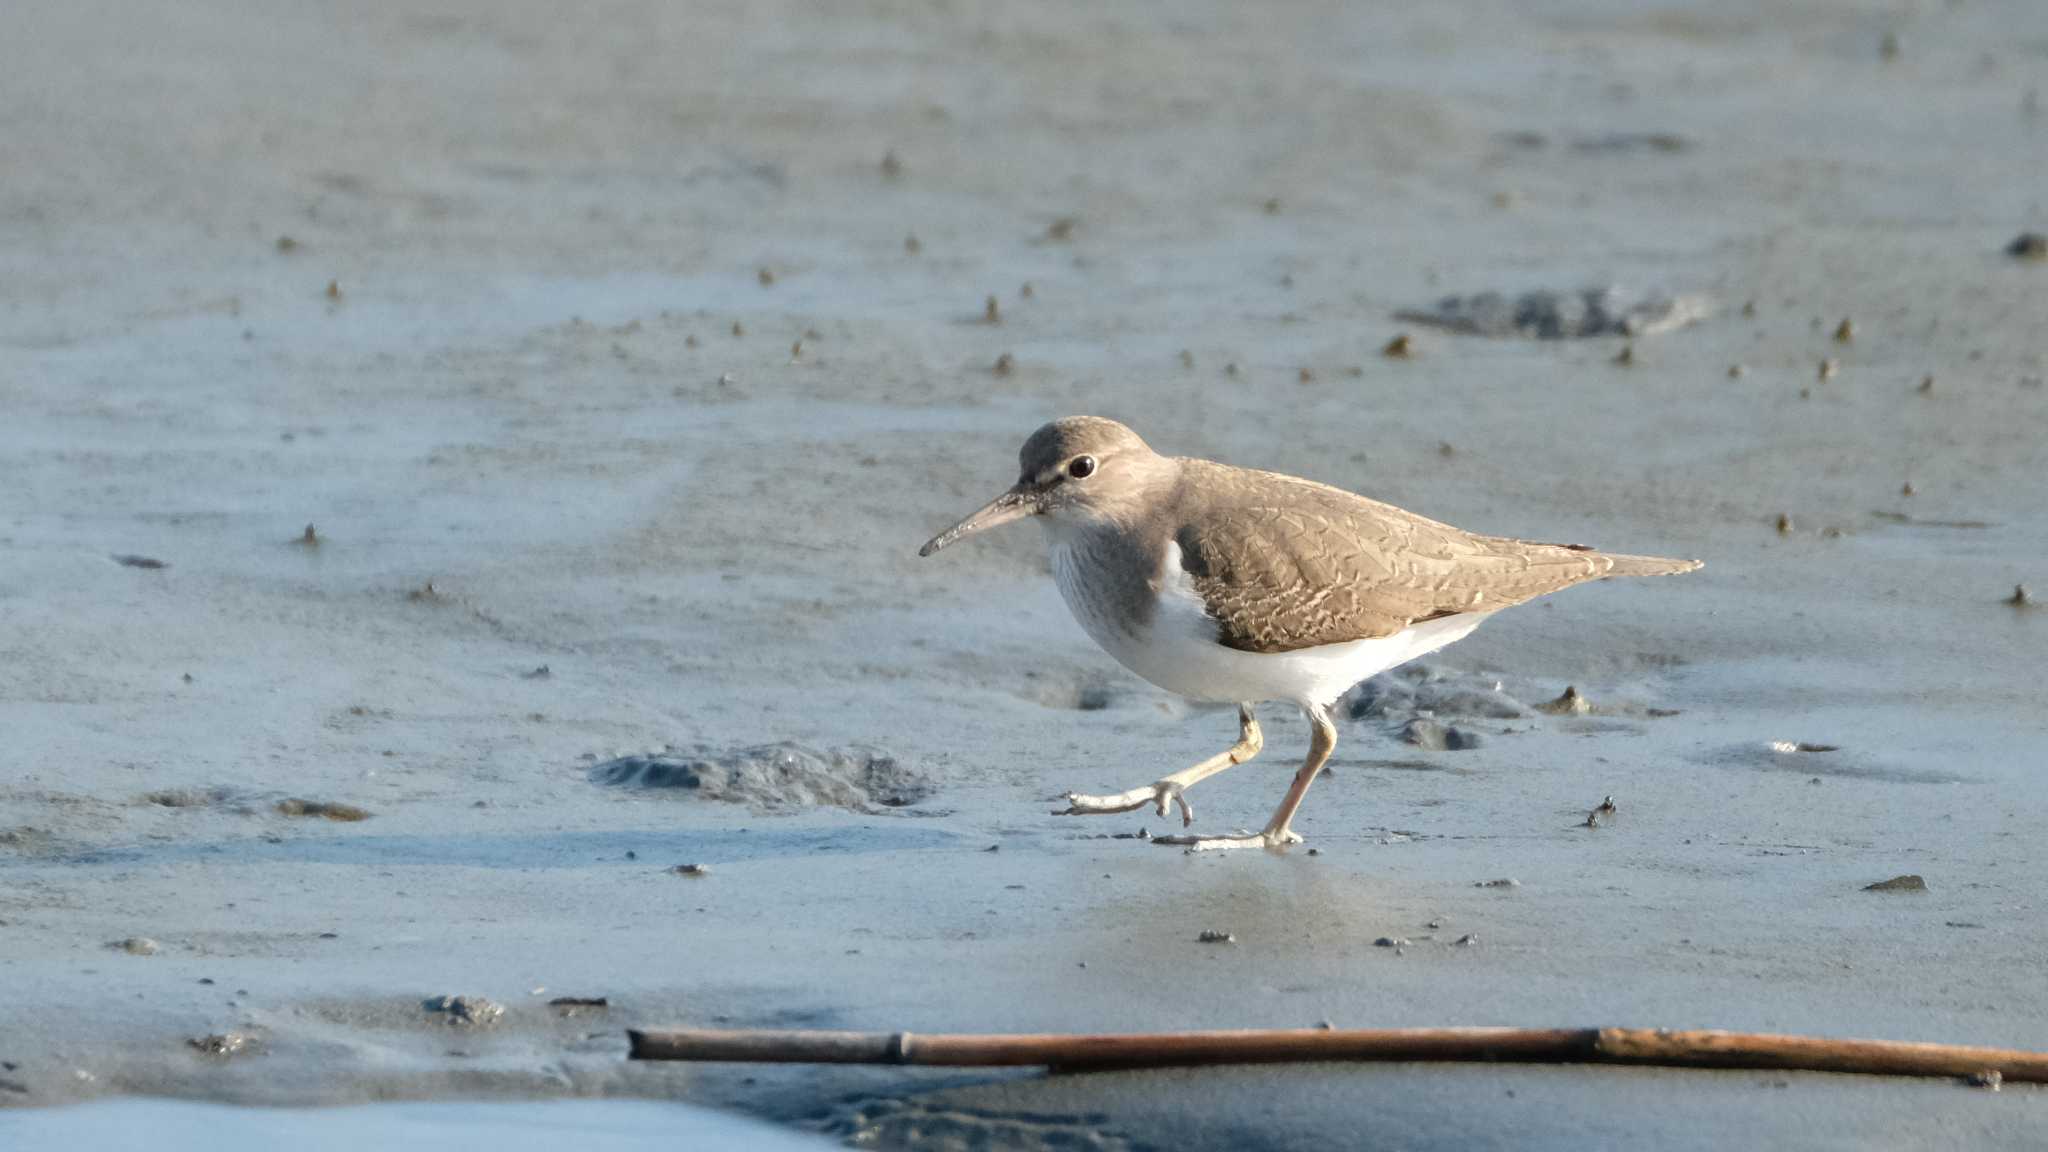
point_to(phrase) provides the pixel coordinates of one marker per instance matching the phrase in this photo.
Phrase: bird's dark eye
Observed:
(1081, 467)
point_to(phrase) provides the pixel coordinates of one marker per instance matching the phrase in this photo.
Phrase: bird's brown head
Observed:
(1075, 467)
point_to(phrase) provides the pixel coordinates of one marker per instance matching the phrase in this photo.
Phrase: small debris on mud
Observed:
(992, 312)
(1604, 810)
(136, 946)
(892, 165)
(185, 797)
(1466, 941)
(334, 289)
(1989, 1079)
(1431, 736)
(2020, 597)
(912, 245)
(2028, 246)
(1569, 704)
(1062, 229)
(1737, 371)
(307, 539)
(325, 809)
(1391, 942)
(425, 594)
(1401, 347)
(1784, 523)
(1827, 370)
(287, 244)
(1003, 365)
(1906, 883)
(1570, 315)
(1788, 747)
(1926, 385)
(466, 1011)
(128, 560)
(1503, 882)
(571, 1005)
(690, 870)
(538, 672)
(776, 776)
(1845, 332)
(1215, 936)
(1626, 356)
(220, 1043)
(766, 276)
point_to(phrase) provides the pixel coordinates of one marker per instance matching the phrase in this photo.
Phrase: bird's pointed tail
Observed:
(1647, 565)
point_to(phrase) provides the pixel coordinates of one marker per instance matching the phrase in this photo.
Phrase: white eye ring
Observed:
(1081, 467)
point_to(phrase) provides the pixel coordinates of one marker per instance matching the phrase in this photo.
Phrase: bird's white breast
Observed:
(1176, 644)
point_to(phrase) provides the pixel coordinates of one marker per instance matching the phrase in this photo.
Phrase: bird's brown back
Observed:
(1284, 563)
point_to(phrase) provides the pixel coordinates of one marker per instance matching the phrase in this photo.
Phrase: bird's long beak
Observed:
(1015, 504)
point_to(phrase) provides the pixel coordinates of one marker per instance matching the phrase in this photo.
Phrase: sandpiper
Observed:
(1230, 585)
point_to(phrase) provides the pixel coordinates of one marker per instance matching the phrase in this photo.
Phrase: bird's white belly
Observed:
(1178, 648)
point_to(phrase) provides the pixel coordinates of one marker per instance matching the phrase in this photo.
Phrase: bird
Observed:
(1230, 585)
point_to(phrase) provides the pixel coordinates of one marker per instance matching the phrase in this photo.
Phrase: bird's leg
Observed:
(1277, 834)
(1174, 787)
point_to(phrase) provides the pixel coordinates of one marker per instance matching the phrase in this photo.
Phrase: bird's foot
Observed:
(1158, 794)
(1273, 840)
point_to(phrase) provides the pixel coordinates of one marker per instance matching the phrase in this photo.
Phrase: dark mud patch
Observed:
(1076, 692)
(776, 777)
(1431, 736)
(188, 798)
(28, 840)
(1571, 315)
(1396, 699)
(321, 809)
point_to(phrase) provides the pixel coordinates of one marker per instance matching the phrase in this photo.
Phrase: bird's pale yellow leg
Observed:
(1277, 834)
(1174, 787)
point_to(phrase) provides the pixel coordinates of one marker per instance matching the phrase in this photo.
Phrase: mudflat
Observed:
(464, 466)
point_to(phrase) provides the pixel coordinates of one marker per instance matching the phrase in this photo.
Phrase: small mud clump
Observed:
(1548, 315)
(1215, 936)
(137, 946)
(776, 776)
(324, 809)
(466, 1011)
(220, 1043)
(1906, 883)
(1569, 704)
(2028, 246)
(1431, 736)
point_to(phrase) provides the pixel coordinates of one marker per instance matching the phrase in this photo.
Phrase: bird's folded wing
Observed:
(1291, 564)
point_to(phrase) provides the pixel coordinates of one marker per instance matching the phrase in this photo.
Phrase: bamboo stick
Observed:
(1685, 1049)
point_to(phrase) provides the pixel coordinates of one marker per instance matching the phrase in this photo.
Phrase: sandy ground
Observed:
(503, 302)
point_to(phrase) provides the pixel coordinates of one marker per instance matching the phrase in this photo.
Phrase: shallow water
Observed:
(451, 1125)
